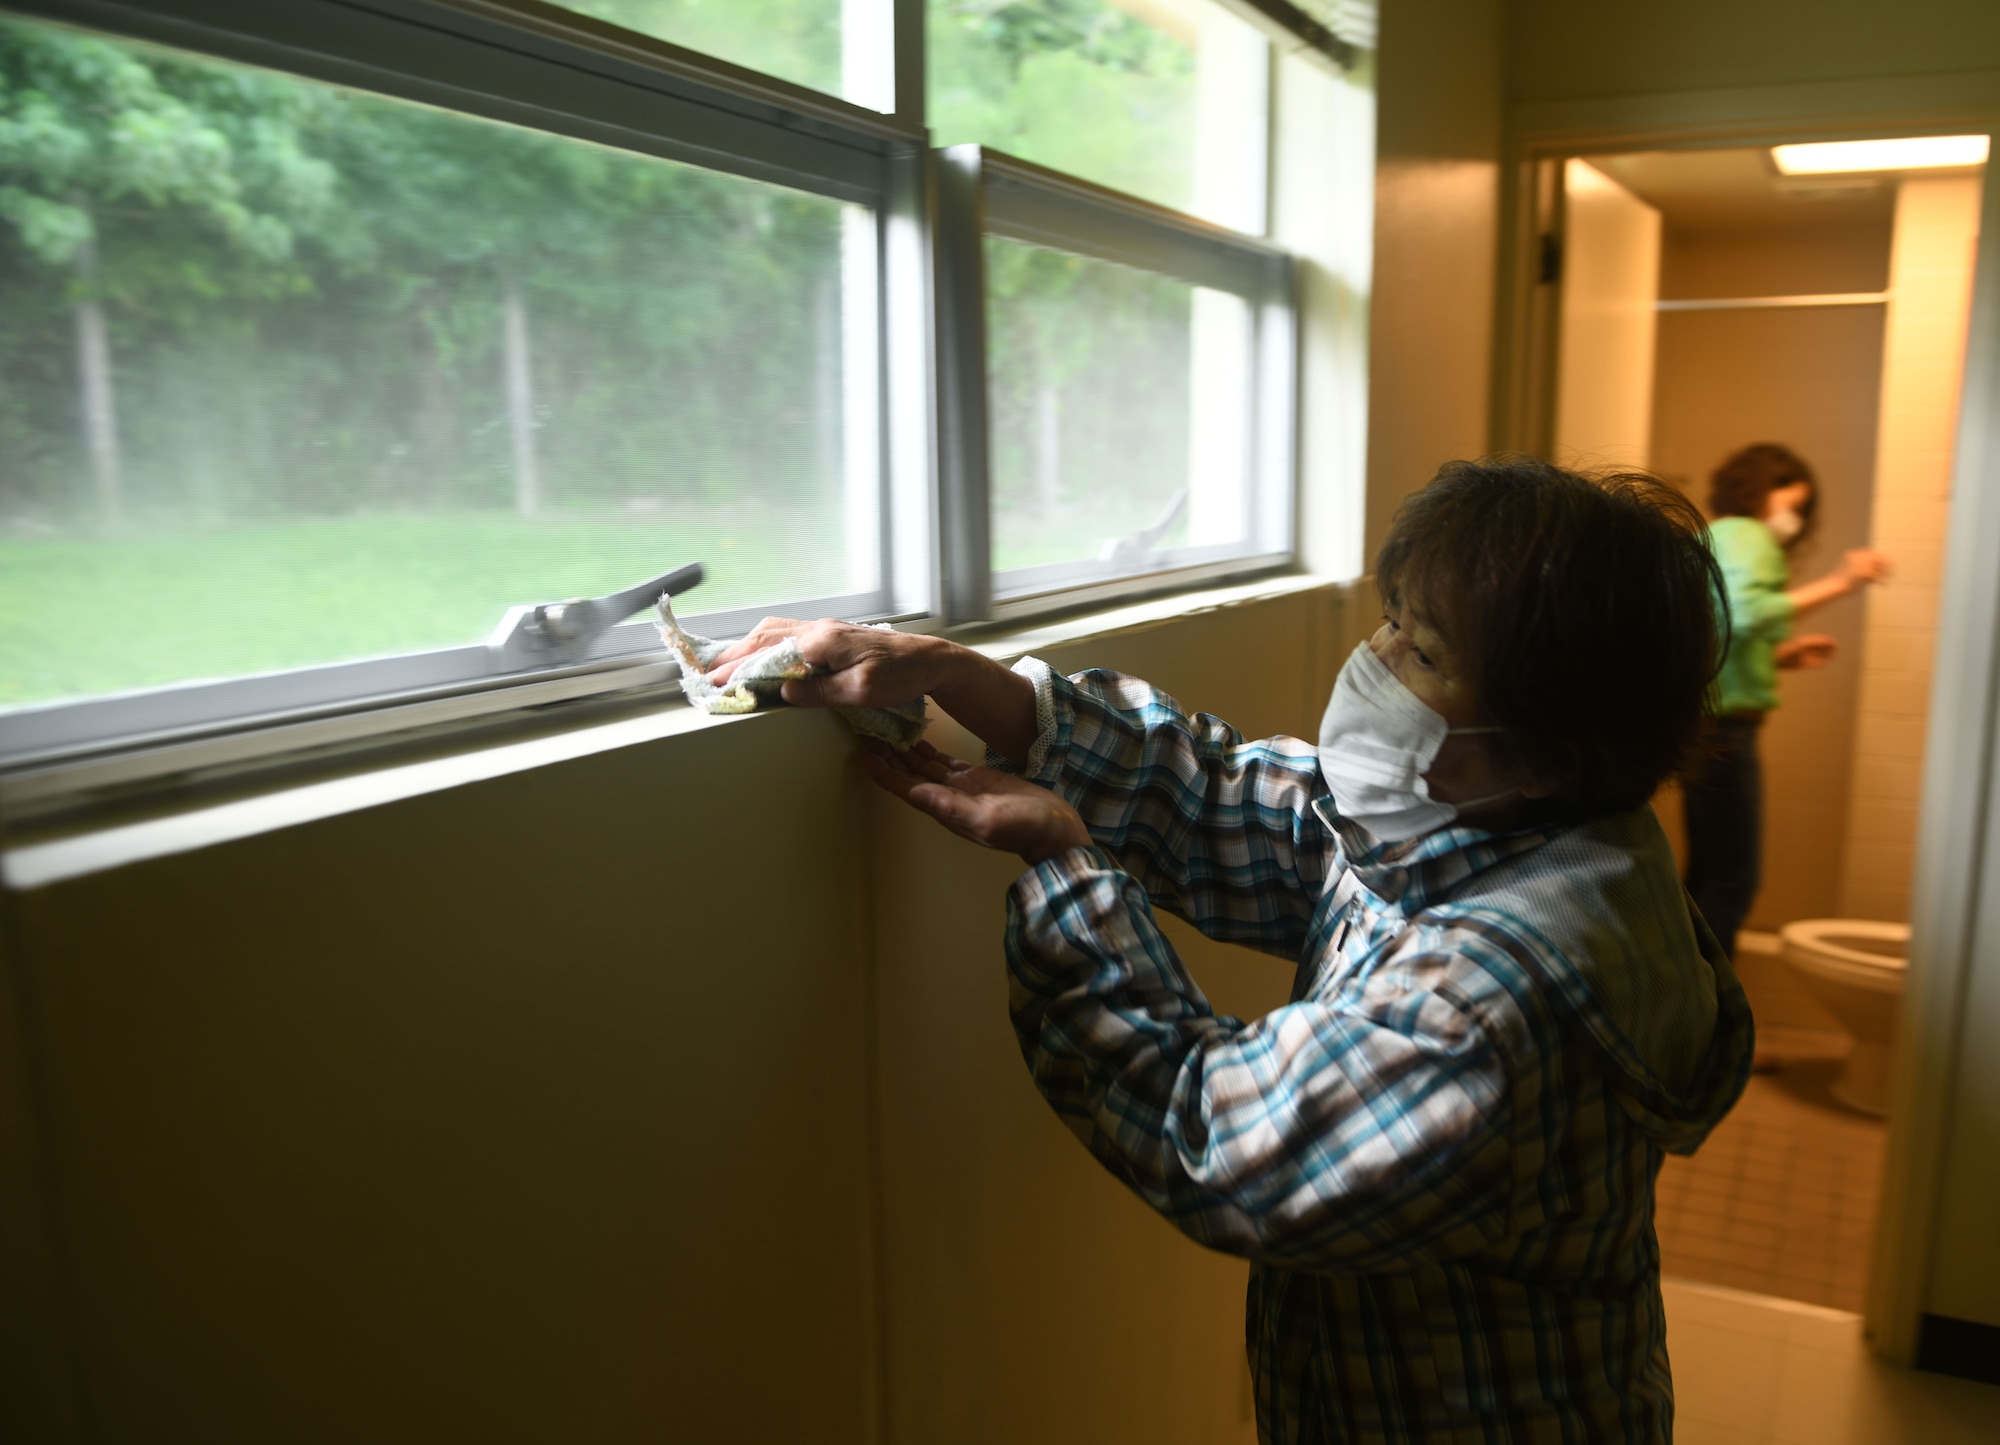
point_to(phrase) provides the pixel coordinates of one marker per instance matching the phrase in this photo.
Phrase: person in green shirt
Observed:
(1764, 500)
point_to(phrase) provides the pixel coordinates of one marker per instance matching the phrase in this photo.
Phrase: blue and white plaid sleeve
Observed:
(1216, 829)
(1347, 1133)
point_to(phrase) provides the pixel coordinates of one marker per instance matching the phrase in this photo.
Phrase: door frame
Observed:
(1958, 829)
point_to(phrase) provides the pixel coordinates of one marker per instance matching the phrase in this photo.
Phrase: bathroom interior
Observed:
(494, 1085)
(1711, 301)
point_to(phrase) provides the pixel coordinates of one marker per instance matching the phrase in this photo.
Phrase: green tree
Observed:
(1078, 85)
(798, 40)
(101, 140)
(647, 270)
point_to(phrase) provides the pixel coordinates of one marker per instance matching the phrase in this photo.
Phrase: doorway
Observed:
(1694, 302)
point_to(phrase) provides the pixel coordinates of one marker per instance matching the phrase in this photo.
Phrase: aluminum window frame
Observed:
(982, 192)
(551, 70)
(548, 70)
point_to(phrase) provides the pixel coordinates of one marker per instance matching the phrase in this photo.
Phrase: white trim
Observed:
(1766, 303)
(36, 865)
(259, 740)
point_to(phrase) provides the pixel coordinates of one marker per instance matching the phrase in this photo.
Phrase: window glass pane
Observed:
(293, 375)
(795, 40)
(1098, 458)
(1165, 99)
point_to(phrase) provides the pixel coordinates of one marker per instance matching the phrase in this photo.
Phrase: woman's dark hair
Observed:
(1741, 484)
(1588, 608)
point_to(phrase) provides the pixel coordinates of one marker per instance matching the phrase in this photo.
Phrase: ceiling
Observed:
(1727, 190)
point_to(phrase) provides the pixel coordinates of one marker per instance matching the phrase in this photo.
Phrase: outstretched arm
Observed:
(1857, 569)
(1209, 823)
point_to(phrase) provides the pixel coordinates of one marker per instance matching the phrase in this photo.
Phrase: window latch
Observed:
(1142, 548)
(548, 634)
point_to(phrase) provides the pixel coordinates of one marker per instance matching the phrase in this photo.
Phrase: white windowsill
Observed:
(35, 864)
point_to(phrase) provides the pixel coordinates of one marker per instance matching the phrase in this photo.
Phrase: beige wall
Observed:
(631, 1097)
(1937, 229)
(1436, 228)
(1809, 378)
(528, 1110)
(1566, 49)
(1609, 324)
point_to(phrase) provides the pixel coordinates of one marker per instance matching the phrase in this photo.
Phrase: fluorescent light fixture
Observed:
(1912, 153)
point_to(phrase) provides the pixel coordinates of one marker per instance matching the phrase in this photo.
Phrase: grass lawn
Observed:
(88, 615)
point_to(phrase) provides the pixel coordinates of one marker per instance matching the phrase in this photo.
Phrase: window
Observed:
(1087, 325)
(331, 332)
(376, 371)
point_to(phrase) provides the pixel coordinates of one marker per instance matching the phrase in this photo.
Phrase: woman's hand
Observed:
(1857, 569)
(877, 667)
(993, 809)
(1813, 649)
(1864, 565)
(866, 666)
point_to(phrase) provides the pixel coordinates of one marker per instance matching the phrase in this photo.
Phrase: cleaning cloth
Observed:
(759, 678)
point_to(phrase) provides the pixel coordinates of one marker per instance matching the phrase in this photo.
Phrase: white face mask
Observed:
(1785, 525)
(1376, 742)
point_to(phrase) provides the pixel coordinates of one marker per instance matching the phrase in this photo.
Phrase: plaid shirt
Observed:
(1439, 1157)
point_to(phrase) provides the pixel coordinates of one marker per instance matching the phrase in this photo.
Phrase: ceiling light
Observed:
(1910, 154)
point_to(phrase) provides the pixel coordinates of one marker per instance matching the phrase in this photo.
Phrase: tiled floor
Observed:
(1781, 1199)
(1750, 1370)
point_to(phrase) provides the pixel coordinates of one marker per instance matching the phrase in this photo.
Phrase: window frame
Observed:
(538, 66)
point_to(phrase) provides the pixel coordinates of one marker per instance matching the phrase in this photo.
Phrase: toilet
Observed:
(1856, 969)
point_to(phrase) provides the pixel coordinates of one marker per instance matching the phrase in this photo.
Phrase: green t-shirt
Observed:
(1760, 614)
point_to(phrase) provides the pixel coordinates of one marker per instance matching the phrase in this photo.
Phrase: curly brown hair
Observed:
(1592, 611)
(1741, 485)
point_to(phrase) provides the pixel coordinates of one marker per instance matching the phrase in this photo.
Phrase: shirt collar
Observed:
(1425, 867)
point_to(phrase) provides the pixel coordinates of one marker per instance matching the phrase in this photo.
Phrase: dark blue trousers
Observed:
(1724, 797)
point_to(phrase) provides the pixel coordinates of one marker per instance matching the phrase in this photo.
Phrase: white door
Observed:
(1604, 357)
